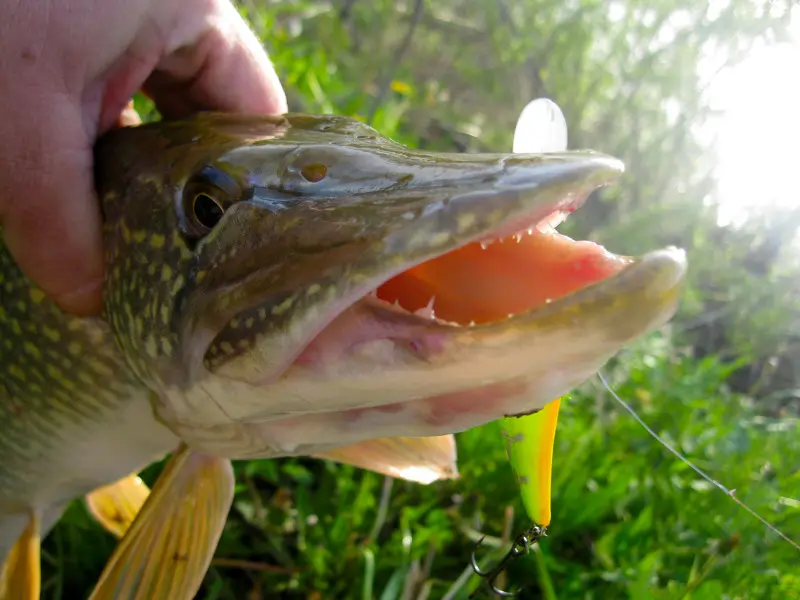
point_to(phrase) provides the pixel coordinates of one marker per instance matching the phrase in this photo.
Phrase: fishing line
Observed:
(728, 492)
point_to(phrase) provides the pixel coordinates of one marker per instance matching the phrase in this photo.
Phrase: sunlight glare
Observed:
(759, 131)
(417, 474)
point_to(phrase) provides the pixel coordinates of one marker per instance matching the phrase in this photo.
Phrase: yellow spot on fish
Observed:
(262, 314)
(37, 295)
(234, 323)
(166, 346)
(32, 350)
(223, 302)
(53, 371)
(16, 372)
(465, 221)
(150, 347)
(85, 377)
(314, 288)
(166, 273)
(283, 306)
(74, 348)
(165, 314)
(200, 276)
(157, 240)
(138, 325)
(52, 334)
(177, 285)
(16, 328)
(226, 348)
(68, 383)
(495, 216)
(439, 239)
(249, 322)
(139, 236)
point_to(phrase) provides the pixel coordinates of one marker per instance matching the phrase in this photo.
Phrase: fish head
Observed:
(286, 285)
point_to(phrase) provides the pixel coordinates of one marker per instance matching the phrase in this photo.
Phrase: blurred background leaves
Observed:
(721, 383)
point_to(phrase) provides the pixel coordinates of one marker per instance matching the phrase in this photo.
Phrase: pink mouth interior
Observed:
(484, 282)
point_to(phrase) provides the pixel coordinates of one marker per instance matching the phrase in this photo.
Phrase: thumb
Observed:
(221, 67)
(48, 210)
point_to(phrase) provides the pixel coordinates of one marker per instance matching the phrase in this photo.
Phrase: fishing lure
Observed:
(529, 444)
(529, 439)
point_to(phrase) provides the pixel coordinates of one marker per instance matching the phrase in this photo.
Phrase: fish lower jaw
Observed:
(375, 372)
(316, 411)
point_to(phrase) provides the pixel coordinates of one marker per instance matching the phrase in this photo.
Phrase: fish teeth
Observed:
(427, 312)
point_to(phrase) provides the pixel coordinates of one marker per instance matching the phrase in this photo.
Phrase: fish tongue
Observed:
(487, 282)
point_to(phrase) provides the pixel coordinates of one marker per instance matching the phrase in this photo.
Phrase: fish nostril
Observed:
(314, 172)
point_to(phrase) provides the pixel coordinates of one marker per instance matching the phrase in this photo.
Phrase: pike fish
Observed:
(296, 285)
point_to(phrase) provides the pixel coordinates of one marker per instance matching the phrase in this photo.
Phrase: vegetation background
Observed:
(721, 383)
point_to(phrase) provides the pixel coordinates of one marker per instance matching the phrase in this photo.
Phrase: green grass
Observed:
(629, 521)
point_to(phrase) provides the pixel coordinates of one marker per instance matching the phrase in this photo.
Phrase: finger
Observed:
(48, 208)
(225, 68)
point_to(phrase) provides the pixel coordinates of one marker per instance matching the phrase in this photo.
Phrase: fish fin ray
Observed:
(20, 576)
(167, 550)
(116, 505)
(423, 459)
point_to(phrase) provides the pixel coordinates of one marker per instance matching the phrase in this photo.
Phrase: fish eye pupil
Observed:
(207, 210)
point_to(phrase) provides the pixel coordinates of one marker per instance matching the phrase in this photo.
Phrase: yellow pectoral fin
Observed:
(529, 444)
(116, 505)
(167, 550)
(422, 460)
(20, 578)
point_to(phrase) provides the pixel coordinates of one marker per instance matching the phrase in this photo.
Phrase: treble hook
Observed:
(520, 546)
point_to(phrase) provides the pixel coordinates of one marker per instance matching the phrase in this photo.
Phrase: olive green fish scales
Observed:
(60, 377)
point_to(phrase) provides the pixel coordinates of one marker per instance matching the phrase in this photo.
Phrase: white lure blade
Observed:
(541, 128)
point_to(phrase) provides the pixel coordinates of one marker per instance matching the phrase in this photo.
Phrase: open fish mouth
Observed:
(477, 310)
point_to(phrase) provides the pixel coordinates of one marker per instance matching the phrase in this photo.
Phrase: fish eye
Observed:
(206, 198)
(207, 210)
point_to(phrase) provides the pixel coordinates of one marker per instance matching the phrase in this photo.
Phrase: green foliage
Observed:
(629, 521)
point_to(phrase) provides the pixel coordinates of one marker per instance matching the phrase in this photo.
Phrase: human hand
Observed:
(67, 71)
